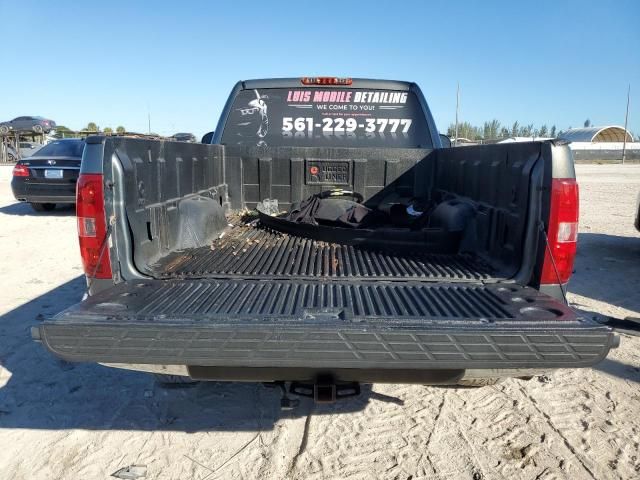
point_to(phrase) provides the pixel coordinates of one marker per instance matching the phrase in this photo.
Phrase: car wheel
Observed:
(11, 158)
(43, 207)
(37, 128)
(4, 129)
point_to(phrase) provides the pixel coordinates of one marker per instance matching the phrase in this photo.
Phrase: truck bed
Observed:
(250, 250)
(200, 288)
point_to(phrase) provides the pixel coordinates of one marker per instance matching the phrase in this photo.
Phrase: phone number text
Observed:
(380, 125)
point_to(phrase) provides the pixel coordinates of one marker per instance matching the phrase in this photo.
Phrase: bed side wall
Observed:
(497, 178)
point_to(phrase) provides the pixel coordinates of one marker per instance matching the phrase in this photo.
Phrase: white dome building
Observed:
(611, 133)
(601, 143)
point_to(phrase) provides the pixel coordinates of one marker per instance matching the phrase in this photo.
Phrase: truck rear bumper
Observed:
(471, 345)
(249, 325)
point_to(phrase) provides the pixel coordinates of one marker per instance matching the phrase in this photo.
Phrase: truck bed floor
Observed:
(250, 250)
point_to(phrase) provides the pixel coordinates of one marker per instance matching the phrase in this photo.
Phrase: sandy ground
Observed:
(76, 421)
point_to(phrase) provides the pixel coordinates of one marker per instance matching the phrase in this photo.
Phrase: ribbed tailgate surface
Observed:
(231, 299)
(338, 324)
(227, 300)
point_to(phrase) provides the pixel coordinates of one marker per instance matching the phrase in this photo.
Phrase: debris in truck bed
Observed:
(269, 207)
(252, 249)
(244, 217)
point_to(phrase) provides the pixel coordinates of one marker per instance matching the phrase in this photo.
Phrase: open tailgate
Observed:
(327, 325)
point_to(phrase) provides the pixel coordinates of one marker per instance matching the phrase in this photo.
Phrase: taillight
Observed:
(562, 231)
(326, 81)
(92, 229)
(20, 170)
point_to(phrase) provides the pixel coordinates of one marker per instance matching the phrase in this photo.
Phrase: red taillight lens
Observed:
(20, 170)
(562, 231)
(92, 229)
(326, 81)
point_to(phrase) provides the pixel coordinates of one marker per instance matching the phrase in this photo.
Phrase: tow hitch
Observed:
(325, 390)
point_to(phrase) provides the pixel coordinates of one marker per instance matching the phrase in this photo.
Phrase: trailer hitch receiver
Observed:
(325, 389)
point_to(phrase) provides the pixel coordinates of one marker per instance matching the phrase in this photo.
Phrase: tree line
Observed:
(91, 127)
(493, 129)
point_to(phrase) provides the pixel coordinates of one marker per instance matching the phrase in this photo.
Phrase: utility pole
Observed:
(148, 120)
(626, 118)
(455, 140)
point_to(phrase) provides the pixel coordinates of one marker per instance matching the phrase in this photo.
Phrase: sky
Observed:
(114, 63)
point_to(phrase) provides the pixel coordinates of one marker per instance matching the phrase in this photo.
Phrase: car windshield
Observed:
(315, 117)
(62, 149)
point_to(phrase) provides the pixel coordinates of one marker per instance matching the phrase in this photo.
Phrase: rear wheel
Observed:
(37, 128)
(11, 158)
(4, 129)
(43, 207)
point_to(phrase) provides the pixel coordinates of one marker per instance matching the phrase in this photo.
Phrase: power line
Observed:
(626, 118)
(455, 140)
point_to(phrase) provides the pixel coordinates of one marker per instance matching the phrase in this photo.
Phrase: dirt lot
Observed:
(67, 421)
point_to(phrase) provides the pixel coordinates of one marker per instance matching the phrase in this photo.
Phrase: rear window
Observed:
(322, 117)
(62, 149)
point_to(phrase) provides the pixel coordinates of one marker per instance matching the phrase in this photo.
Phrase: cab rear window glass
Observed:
(322, 117)
(62, 149)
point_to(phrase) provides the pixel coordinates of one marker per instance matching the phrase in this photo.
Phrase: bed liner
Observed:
(254, 251)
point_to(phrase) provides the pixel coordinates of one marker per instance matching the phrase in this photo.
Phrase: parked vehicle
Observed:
(12, 155)
(206, 138)
(27, 124)
(327, 239)
(183, 137)
(26, 149)
(49, 177)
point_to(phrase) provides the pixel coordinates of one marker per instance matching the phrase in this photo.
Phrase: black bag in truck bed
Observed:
(330, 326)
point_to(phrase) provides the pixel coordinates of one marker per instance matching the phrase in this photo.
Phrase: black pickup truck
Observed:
(325, 237)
